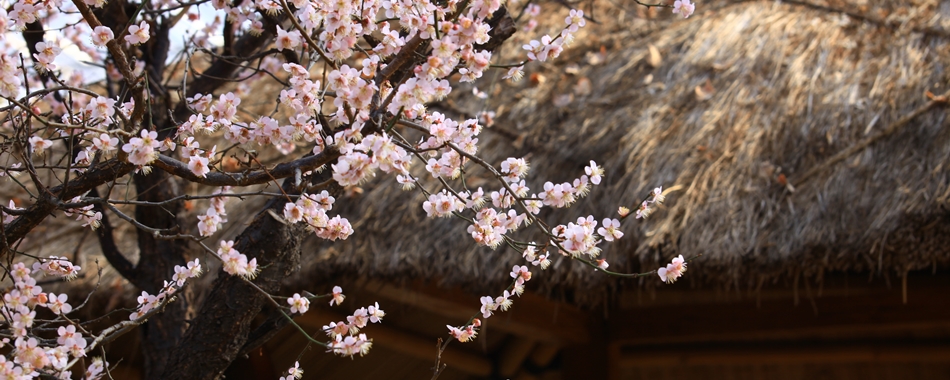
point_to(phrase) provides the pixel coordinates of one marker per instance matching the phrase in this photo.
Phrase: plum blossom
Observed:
(198, 164)
(46, 54)
(96, 370)
(442, 204)
(657, 195)
(58, 305)
(193, 269)
(287, 40)
(105, 143)
(142, 150)
(673, 270)
(514, 168)
(57, 266)
(488, 306)
(683, 8)
(40, 145)
(610, 230)
(351, 345)
(101, 35)
(575, 20)
(236, 263)
(375, 313)
(644, 210)
(623, 212)
(209, 222)
(293, 373)
(138, 33)
(298, 304)
(338, 296)
(594, 172)
(464, 334)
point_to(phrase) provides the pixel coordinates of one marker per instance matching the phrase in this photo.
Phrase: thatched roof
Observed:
(732, 104)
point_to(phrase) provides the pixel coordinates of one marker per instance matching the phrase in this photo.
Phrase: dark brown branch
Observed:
(46, 203)
(284, 170)
(107, 243)
(222, 70)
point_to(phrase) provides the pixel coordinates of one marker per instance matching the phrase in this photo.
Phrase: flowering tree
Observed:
(356, 79)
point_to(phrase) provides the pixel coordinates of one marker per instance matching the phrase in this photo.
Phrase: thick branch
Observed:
(221, 327)
(46, 203)
(284, 170)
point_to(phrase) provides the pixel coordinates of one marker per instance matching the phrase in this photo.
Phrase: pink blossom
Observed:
(488, 306)
(683, 8)
(29, 352)
(514, 168)
(338, 296)
(58, 305)
(298, 304)
(375, 313)
(442, 204)
(46, 54)
(141, 150)
(594, 172)
(351, 345)
(464, 334)
(105, 143)
(209, 222)
(287, 40)
(610, 230)
(40, 145)
(644, 210)
(183, 273)
(57, 266)
(198, 165)
(294, 372)
(657, 195)
(673, 270)
(101, 35)
(138, 33)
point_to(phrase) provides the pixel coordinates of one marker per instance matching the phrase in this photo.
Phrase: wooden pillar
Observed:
(589, 360)
(514, 353)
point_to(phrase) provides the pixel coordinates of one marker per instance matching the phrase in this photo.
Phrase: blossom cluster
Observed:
(31, 356)
(294, 373)
(89, 217)
(236, 263)
(216, 215)
(351, 111)
(647, 207)
(346, 339)
(148, 302)
(520, 274)
(57, 266)
(312, 210)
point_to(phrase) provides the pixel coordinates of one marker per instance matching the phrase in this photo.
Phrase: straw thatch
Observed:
(726, 110)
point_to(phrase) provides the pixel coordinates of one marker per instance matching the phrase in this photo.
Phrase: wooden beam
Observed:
(543, 354)
(794, 354)
(838, 285)
(874, 313)
(531, 316)
(514, 353)
(407, 344)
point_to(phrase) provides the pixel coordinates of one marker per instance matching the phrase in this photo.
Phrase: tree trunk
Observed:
(157, 261)
(220, 329)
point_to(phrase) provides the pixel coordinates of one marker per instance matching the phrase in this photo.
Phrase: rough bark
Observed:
(220, 329)
(157, 261)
